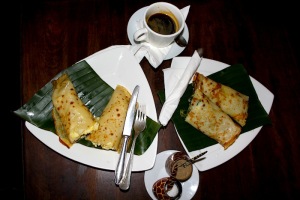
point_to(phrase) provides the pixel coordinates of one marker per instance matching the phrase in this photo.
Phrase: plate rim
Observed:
(88, 155)
(216, 151)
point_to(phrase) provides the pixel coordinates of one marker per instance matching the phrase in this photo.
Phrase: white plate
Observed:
(114, 66)
(132, 27)
(189, 187)
(216, 155)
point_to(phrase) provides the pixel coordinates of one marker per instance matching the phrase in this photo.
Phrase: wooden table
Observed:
(56, 34)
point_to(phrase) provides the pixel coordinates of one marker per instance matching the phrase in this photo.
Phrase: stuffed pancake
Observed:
(232, 102)
(111, 122)
(72, 119)
(207, 117)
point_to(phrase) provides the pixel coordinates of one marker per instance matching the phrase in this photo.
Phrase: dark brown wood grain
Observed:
(263, 37)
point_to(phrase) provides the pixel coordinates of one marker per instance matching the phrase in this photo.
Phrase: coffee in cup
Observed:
(162, 23)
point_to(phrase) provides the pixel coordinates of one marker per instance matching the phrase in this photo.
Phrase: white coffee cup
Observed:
(165, 33)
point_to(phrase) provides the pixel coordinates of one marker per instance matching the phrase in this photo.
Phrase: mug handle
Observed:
(140, 35)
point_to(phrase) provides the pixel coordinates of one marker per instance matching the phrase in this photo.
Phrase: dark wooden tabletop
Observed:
(263, 37)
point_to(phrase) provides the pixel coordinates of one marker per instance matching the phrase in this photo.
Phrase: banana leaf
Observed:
(234, 76)
(94, 93)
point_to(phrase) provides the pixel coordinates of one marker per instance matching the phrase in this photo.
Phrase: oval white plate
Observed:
(115, 65)
(132, 27)
(189, 187)
(216, 155)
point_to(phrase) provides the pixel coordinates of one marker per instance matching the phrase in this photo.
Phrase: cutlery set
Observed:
(139, 126)
(123, 172)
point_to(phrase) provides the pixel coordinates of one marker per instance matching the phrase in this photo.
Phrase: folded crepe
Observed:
(72, 119)
(111, 122)
(207, 117)
(232, 102)
(217, 110)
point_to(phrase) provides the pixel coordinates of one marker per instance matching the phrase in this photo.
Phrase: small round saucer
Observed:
(158, 171)
(132, 27)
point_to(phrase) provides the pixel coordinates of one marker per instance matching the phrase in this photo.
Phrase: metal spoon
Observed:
(181, 41)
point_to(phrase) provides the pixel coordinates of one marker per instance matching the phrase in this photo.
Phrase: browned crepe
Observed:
(207, 117)
(111, 122)
(232, 102)
(72, 119)
(217, 110)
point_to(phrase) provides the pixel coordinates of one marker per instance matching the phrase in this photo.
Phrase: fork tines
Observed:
(142, 108)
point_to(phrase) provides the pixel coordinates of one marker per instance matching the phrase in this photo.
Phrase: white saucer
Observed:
(132, 27)
(158, 171)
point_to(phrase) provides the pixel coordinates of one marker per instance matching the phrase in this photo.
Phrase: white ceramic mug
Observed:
(169, 11)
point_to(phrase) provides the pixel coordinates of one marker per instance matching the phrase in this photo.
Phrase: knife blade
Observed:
(126, 134)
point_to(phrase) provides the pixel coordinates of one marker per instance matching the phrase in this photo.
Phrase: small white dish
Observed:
(132, 27)
(189, 187)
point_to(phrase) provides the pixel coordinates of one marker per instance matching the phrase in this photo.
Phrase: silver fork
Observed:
(139, 126)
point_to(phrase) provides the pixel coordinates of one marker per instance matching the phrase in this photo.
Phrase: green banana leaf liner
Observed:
(234, 76)
(94, 93)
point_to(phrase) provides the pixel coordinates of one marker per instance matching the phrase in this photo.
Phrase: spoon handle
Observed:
(198, 156)
(192, 160)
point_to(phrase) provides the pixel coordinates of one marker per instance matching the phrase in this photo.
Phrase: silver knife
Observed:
(126, 134)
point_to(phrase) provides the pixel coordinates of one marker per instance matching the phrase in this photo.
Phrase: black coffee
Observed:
(162, 24)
